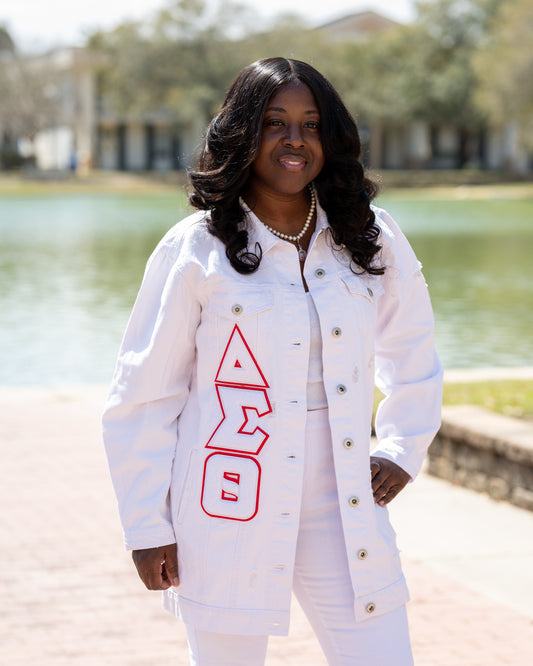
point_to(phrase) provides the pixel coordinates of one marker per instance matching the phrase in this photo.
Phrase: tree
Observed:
(7, 45)
(29, 99)
(439, 79)
(504, 68)
(423, 71)
(179, 65)
(30, 96)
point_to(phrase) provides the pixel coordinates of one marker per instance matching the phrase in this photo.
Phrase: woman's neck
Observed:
(284, 212)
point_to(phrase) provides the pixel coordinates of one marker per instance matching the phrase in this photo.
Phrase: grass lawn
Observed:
(511, 397)
(96, 182)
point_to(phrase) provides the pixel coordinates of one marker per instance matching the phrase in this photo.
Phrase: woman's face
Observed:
(290, 153)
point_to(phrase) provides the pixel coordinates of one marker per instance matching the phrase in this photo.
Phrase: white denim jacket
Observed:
(204, 425)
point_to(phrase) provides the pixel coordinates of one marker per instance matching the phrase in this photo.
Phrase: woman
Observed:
(238, 424)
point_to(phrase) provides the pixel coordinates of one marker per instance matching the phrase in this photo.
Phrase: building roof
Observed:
(357, 27)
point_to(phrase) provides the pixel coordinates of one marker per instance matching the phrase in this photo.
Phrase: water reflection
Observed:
(69, 271)
(477, 261)
(70, 267)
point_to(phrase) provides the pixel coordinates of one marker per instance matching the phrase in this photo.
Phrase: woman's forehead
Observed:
(290, 94)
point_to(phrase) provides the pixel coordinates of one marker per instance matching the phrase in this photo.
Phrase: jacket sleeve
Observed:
(408, 370)
(149, 389)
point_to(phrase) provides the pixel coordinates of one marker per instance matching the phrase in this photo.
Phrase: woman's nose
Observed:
(293, 136)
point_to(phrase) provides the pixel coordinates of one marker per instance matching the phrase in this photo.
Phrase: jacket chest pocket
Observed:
(236, 330)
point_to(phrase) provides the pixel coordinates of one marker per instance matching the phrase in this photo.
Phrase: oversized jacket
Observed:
(204, 425)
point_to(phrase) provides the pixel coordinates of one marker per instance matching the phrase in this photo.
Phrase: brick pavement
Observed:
(69, 593)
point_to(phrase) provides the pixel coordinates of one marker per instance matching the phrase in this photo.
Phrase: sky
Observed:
(36, 25)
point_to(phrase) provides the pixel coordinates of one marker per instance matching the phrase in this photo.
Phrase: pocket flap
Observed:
(239, 305)
(367, 286)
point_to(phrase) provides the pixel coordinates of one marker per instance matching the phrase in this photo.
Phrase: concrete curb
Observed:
(486, 452)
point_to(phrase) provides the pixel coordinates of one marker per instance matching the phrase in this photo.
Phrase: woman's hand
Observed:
(388, 479)
(158, 567)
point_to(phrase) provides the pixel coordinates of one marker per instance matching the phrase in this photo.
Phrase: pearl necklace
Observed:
(296, 239)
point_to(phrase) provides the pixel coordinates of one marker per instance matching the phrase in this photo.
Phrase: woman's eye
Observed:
(313, 125)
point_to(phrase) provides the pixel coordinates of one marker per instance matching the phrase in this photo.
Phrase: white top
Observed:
(204, 426)
(316, 393)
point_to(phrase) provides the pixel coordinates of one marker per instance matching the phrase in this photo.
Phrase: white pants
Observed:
(321, 583)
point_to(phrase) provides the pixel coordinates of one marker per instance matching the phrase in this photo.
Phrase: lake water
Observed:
(70, 266)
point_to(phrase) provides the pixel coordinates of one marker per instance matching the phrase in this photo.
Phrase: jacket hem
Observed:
(246, 621)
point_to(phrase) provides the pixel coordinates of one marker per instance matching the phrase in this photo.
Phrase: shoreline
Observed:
(451, 376)
(466, 184)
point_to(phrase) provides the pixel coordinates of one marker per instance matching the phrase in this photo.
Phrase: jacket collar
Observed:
(258, 233)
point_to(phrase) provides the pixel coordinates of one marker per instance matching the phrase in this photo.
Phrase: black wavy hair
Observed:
(232, 142)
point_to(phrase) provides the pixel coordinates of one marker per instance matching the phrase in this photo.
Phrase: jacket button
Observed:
(370, 608)
(336, 332)
(370, 292)
(341, 389)
(362, 554)
(354, 501)
(320, 272)
(237, 309)
(348, 443)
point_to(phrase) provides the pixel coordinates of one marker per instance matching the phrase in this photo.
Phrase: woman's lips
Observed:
(292, 162)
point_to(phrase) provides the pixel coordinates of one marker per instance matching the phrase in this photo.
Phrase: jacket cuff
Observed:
(396, 454)
(139, 539)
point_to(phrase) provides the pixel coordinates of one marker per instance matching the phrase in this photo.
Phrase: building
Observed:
(149, 142)
(82, 131)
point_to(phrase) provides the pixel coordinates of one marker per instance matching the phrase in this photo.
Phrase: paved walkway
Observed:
(69, 593)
